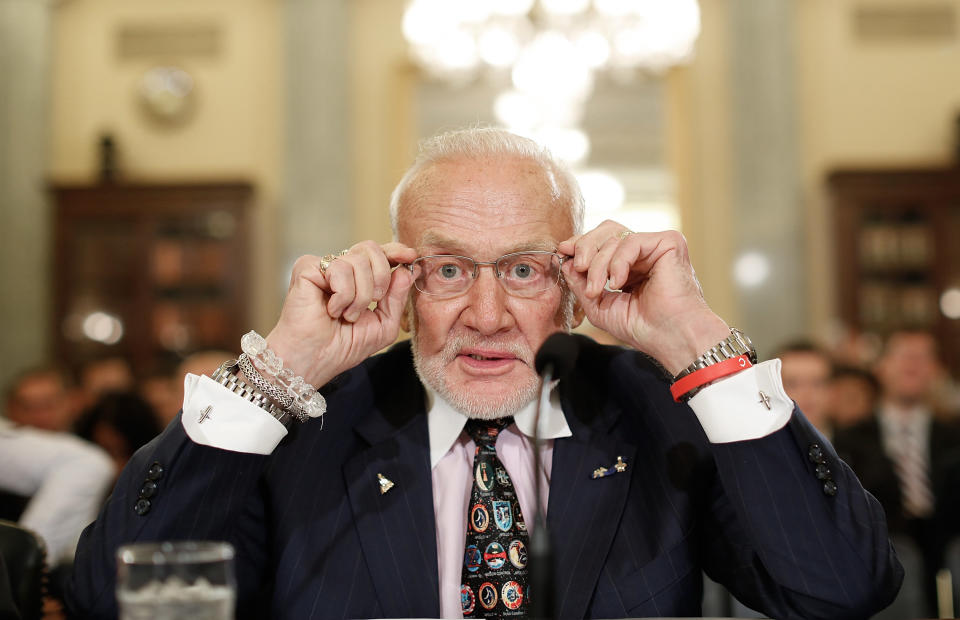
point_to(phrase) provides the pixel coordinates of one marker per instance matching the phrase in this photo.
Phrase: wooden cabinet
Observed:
(898, 252)
(150, 272)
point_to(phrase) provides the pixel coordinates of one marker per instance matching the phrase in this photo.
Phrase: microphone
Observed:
(555, 359)
(558, 354)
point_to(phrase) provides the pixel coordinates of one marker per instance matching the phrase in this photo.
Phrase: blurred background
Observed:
(162, 164)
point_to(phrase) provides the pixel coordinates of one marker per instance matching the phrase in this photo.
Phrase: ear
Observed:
(578, 314)
(406, 316)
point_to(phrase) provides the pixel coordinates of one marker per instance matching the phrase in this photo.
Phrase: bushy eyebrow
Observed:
(448, 245)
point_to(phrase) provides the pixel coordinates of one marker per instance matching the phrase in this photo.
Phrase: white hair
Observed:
(481, 142)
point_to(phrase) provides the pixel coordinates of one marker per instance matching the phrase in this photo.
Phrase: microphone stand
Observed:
(541, 549)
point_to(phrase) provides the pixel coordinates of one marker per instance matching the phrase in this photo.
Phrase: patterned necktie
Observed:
(913, 471)
(495, 573)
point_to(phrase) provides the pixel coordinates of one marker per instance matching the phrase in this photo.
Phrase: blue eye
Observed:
(522, 271)
(449, 271)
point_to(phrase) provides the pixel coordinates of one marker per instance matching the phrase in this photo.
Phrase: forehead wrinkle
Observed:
(446, 244)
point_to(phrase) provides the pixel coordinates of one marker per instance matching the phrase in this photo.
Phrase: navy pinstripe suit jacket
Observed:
(315, 537)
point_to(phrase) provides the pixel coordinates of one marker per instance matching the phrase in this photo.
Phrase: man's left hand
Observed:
(641, 288)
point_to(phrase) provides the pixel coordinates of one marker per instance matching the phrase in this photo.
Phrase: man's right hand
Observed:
(326, 325)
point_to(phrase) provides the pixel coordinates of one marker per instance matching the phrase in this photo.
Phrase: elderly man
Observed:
(417, 494)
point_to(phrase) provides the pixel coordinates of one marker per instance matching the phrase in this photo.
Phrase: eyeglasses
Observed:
(523, 274)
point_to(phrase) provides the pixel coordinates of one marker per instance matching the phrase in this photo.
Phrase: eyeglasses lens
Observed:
(523, 274)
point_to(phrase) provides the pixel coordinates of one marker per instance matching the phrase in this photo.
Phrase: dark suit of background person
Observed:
(907, 371)
(861, 447)
(316, 538)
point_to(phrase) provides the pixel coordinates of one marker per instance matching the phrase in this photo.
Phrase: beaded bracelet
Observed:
(306, 400)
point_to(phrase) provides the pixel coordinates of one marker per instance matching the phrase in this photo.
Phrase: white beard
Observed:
(432, 369)
(432, 372)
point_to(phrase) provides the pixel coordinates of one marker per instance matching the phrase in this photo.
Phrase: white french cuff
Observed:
(216, 417)
(747, 405)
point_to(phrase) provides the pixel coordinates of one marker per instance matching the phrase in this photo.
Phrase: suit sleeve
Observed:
(792, 532)
(173, 489)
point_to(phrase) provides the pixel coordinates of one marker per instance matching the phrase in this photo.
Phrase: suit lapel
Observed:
(584, 512)
(396, 526)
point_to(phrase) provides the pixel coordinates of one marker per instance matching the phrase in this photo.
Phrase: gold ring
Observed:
(326, 261)
(624, 234)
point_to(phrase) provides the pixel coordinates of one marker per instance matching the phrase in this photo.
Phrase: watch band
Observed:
(734, 345)
(228, 376)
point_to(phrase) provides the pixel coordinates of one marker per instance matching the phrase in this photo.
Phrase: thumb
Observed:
(576, 281)
(390, 307)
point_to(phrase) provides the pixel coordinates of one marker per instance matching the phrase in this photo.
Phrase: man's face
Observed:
(477, 350)
(806, 377)
(41, 401)
(909, 367)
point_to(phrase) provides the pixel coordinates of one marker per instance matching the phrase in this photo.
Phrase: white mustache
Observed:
(457, 342)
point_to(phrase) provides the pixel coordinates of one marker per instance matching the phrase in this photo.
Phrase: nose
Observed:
(486, 309)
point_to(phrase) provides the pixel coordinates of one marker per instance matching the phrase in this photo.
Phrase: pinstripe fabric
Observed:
(316, 538)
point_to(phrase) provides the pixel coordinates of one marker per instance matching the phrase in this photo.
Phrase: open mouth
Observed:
(486, 358)
(491, 361)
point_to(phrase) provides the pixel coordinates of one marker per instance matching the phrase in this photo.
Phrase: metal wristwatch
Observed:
(228, 376)
(735, 345)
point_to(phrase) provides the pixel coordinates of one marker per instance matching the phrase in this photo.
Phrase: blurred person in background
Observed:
(854, 396)
(100, 376)
(40, 397)
(908, 456)
(119, 422)
(806, 369)
(64, 479)
(160, 389)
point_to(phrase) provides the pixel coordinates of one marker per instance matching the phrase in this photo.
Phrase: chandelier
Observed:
(546, 54)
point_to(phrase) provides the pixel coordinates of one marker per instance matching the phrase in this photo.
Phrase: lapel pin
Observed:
(617, 468)
(385, 483)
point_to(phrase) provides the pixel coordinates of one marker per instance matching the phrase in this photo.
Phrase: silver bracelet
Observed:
(272, 392)
(226, 375)
(306, 400)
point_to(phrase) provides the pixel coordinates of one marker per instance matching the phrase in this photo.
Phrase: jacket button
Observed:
(148, 490)
(155, 472)
(830, 488)
(142, 507)
(815, 454)
(823, 472)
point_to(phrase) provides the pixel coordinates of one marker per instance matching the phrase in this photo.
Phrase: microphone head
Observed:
(559, 351)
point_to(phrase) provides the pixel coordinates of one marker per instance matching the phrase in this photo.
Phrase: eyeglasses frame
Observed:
(476, 271)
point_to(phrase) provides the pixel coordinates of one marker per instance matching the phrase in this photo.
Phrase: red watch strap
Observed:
(700, 378)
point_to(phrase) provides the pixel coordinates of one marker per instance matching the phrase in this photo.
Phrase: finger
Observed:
(342, 285)
(585, 249)
(598, 273)
(399, 254)
(390, 308)
(623, 260)
(379, 267)
(362, 283)
(569, 246)
(587, 246)
(577, 283)
(307, 267)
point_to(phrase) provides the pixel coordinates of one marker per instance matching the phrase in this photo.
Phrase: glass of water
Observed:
(173, 580)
